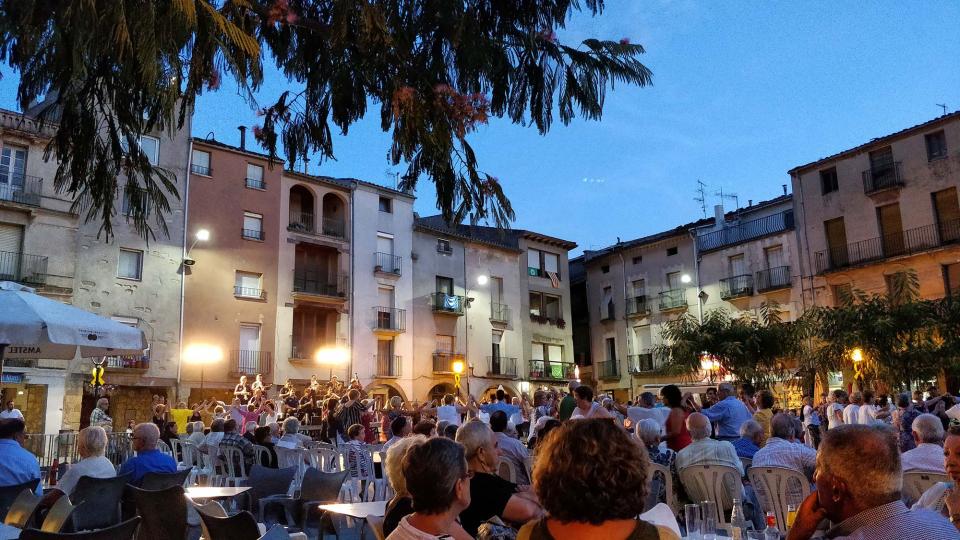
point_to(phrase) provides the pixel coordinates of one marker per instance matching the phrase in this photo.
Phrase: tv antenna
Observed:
(701, 197)
(944, 107)
(722, 195)
(393, 176)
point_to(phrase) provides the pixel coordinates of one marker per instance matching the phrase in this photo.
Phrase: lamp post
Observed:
(458, 369)
(202, 355)
(856, 355)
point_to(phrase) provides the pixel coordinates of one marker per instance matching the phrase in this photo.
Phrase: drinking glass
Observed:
(708, 520)
(754, 535)
(691, 512)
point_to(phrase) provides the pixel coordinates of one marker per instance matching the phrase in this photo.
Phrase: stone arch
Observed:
(302, 208)
(439, 390)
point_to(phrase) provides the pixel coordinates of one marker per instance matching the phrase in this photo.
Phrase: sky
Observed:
(742, 92)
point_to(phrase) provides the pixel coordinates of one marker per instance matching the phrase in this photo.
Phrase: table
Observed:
(211, 492)
(357, 511)
(9, 532)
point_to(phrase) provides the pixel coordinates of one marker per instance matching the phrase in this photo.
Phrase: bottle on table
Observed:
(771, 532)
(738, 522)
(52, 477)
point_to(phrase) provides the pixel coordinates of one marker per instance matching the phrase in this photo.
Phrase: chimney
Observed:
(749, 202)
(784, 188)
(718, 215)
(243, 137)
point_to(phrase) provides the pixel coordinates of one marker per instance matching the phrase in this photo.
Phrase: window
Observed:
(606, 305)
(248, 285)
(891, 229)
(386, 205)
(126, 205)
(443, 246)
(248, 358)
(605, 269)
(130, 264)
(638, 259)
(445, 343)
(445, 285)
(673, 281)
(836, 235)
(671, 251)
(495, 339)
(545, 305)
(200, 164)
(254, 178)
(829, 181)
(13, 167)
(542, 263)
(151, 148)
(842, 293)
(936, 145)
(946, 211)
(548, 353)
(252, 226)
(610, 345)
(639, 287)
(951, 279)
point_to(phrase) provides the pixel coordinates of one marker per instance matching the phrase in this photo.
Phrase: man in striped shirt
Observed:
(349, 412)
(782, 450)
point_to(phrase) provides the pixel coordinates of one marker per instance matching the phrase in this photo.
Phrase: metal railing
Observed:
(200, 169)
(673, 299)
(21, 188)
(897, 244)
(129, 361)
(302, 348)
(23, 268)
(747, 230)
(333, 227)
(63, 447)
(443, 361)
(300, 221)
(499, 312)
(736, 286)
(248, 292)
(388, 365)
(882, 178)
(252, 234)
(447, 303)
(641, 363)
(773, 278)
(637, 306)
(504, 366)
(608, 312)
(249, 362)
(388, 263)
(319, 282)
(253, 183)
(390, 319)
(608, 369)
(550, 370)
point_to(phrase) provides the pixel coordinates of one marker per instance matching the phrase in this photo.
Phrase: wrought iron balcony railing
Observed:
(673, 299)
(907, 242)
(300, 221)
(773, 278)
(449, 304)
(443, 361)
(502, 366)
(249, 362)
(551, 370)
(253, 183)
(21, 188)
(499, 312)
(252, 234)
(23, 268)
(388, 365)
(746, 230)
(248, 292)
(319, 282)
(641, 363)
(608, 369)
(736, 286)
(638, 306)
(390, 319)
(882, 178)
(388, 263)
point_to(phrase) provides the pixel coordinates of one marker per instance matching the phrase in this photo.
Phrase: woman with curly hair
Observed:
(592, 481)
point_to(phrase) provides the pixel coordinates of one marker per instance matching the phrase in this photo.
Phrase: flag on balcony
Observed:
(554, 280)
(451, 303)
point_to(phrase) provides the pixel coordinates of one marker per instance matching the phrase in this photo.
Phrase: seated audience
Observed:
(358, 458)
(91, 445)
(706, 451)
(928, 454)
(648, 433)
(400, 427)
(586, 407)
(197, 437)
(148, 458)
(545, 425)
(511, 449)
(592, 481)
(261, 436)
(291, 439)
(438, 481)
(764, 414)
(426, 428)
(784, 451)
(751, 438)
(211, 443)
(450, 432)
(233, 439)
(490, 495)
(248, 429)
(17, 465)
(859, 479)
(401, 504)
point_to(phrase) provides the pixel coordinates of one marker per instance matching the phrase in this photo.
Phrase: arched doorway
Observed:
(382, 392)
(334, 216)
(491, 392)
(440, 390)
(301, 209)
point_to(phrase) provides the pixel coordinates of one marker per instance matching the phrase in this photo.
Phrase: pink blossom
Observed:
(257, 131)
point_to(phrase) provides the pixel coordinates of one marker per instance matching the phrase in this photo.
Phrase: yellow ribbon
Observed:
(97, 373)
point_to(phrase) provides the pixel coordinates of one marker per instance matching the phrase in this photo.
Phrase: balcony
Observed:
(23, 268)
(443, 361)
(747, 230)
(22, 189)
(499, 313)
(773, 278)
(333, 227)
(673, 299)
(908, 242)
(303, 350)
(319, 283)
(609, 369)
(387, 263)
(501, 366)
(390, 321)
(133, 363)
(304, 222)
(252, 234)
(447, 304)
(546, 370)
(253, 183)
(300, 222)
(641, 363)
(882, 178)
(388, 365)
(608, 312)
(249, 362)
(200, 169)
(247, 292)
(736, 286)
(638, 306)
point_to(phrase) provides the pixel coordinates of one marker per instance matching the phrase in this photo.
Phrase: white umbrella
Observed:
(32, 326)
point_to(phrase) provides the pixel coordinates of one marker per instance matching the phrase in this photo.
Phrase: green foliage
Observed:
(437, 69)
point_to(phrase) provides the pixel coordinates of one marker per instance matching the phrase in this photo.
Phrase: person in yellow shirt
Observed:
(764, 413)
(181, 415)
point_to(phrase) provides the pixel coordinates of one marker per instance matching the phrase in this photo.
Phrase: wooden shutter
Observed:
(836, 241)
(891, 229)
(947, 213)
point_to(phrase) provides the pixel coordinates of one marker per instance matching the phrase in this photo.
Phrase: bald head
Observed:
(782, 426)
(725, 389)
(699, 426)
(147, 434)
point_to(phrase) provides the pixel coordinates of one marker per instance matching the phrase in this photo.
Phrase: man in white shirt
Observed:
(868, 411)
(706, 451)
(851, 413)
(11, 412)
(835, 409)
(645, 409)
(586, 408)
(928, 455)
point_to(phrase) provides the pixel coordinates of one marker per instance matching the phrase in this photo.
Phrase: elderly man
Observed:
(234, 440)
(728, 414)
(99, 416)
(858, 489)
(491, 495)
(91, 445)
(927, 433)
(511, 449)
(586, 408)
(17, 465)
(568, 403)
(645, 409)
(704, 450)
(148, 458)
(399, 428)
(782, 450)
(751, 437)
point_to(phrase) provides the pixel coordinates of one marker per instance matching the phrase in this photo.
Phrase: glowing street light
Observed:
(203, 235)
(857, 355)
(202, 355)
(482, 279)
(332, 356)
(685, 278)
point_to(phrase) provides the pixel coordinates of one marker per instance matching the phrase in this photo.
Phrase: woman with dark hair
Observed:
(540, 434)
(592, 481)
(261, 436)
(677, 436)
(330, 426)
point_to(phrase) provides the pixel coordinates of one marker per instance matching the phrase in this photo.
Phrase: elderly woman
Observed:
(197, 437)
(438, 481)
(592, 481)
(906, 414)
(91, 444)
(944, 497)
(401, 504)
(648, 433)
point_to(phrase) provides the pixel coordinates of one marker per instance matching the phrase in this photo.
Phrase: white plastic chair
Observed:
(916, 482)
(715, 483)
(670, 495)
(234, 465)
(165, 448)
(777, 487)
(506, 471)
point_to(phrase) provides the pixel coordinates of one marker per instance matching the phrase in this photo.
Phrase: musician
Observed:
(289, 401)
(259, 385)
(307, 405)
(242, 390)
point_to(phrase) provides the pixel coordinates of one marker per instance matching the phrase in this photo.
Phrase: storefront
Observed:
(38, 393)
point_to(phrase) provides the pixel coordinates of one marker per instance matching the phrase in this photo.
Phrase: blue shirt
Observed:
(745, 447)
(728, 415)
(147, 461)
(18, 466)
(509, 409)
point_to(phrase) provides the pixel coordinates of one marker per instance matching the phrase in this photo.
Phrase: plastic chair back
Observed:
(916, 482)
(777, 487)
(58, 516)
(164, 513)
(376, 525)
(716, 483)
(506, 471)
(176, 449)
(747, 462)
(236, 465)
(102, 499)
(165, 448)
(8, 494)
(120, 531)
(241, 526)
(156, 481)
(261, 454)
(321, 486)
(22, 509)
(660, 476)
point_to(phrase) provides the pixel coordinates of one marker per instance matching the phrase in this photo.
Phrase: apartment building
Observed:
(496, 301)
(234, 233)
(887, 206)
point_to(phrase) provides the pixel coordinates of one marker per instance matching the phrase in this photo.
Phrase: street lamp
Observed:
(857, 356)
(332, 356)
(203, 355)
(685, 278)
(482, 279)
(457, 368)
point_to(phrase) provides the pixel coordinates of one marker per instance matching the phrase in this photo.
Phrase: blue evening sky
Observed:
(743, 91)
